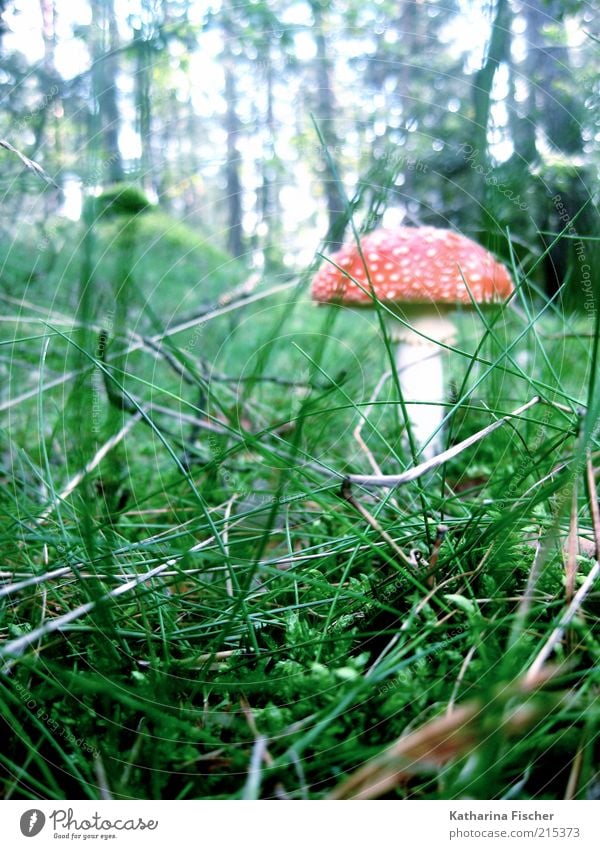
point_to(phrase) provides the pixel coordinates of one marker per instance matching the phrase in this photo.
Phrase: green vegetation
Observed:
(238, 603)
(196, 600)
(176, 266)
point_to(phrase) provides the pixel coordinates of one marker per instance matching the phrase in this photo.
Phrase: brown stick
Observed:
(372, 521)
(594, 508)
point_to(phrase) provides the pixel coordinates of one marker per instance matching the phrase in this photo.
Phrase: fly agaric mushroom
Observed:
(420, 274)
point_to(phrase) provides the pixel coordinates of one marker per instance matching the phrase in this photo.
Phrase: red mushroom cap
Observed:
(413, 265)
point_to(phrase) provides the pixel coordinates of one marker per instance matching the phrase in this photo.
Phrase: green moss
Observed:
(173, 266)
(120, 200)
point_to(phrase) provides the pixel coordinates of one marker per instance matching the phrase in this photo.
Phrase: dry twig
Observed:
(572, 545)
(594, 508)
(372, 521)
(422, 469)
(558, 633)
(29, 164)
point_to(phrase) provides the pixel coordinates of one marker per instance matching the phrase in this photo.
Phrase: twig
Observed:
(247, 711)
(260, 753)
(66, 570)
(422, 469)
(131, 404)
(253, 782)
(20, 319)
(201, 424)
(557, 634)
(527, 598)
(180, 369)
(133, 755)
(215, 311)
(189, 324)
(372, 521)
(16, 647)
(225, 538)
(102, 779)
(441, 532)
(560, 467)
(572, 546)
(575, 773)
(357, 432)
(215, 656)
(594, 508)
(37, 579)
(29, 164)
(91, 465)
(461, 674)
(53, 316)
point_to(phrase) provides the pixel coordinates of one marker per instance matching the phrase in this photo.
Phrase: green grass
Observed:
(285, 640)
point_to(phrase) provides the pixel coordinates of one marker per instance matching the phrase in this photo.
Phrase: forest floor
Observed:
(194, 607)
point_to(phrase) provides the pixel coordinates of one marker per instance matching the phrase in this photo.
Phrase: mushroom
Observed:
(420, 274)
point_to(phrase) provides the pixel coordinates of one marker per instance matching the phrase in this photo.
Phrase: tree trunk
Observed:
(104, 80)
(48, 126)
(235, 242)
(498, 52)
(551, 104)
(557, 112)
(270, 209)
(3, 27)
(48, 34)
(325, 115)
(143, 54)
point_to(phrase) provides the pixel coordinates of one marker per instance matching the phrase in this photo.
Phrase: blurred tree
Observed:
(275, 64)
(106, 117)
(232, 128)
(557, 111)
(53, 103)
(269, 166)
(3, 7)
(554, 103)
(209, 107)
(48, 11)
(326, 114)
(144, 48)
(483, 81)
(254, 45)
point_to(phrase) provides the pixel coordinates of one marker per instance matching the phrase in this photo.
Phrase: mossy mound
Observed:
(118, 201)
(171, 266)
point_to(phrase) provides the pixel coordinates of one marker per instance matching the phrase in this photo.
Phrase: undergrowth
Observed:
(239, 626)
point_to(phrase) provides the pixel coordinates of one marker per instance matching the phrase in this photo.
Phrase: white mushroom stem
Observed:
(420, 366)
